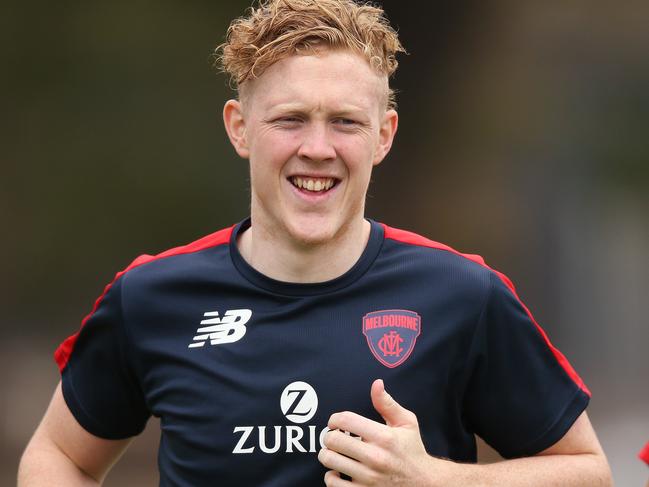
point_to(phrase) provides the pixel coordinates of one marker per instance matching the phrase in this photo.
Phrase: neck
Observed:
(285, 260)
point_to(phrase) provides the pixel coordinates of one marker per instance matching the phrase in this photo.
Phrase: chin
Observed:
(312, 232)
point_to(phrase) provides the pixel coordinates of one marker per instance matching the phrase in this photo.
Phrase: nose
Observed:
(316, 144)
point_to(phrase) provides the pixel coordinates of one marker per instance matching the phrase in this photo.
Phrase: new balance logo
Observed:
(229, 329)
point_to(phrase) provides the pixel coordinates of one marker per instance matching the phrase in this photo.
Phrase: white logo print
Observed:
(299, 402)
(229, 329)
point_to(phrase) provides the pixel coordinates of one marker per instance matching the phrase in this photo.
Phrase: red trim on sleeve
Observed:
(414, 239)
(63, 352)
(644, 454)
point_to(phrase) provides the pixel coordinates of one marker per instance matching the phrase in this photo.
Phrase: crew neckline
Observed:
(258, 279)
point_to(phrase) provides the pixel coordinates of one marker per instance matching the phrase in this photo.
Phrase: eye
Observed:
(345, 121)
(288, 120)
(347, 124)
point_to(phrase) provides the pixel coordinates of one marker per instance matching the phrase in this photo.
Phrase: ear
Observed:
(387, 131)
(235, 126)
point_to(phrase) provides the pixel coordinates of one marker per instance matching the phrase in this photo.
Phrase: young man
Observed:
(258, 346)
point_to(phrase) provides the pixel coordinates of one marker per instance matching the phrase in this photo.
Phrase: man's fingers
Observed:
(390, 410)
(351, 446)
(333, 479)
(357, 425)
(342, 464)
(372, 431)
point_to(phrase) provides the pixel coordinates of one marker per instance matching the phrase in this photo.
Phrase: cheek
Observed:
(359, 147)
(358, 159)
(272, 150)
(263, 178)
(267, 164)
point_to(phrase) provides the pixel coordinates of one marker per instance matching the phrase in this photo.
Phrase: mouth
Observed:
(313, 184)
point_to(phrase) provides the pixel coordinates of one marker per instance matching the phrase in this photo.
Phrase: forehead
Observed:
(328, 77)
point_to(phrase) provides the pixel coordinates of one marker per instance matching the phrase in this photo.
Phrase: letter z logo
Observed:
(229, 329)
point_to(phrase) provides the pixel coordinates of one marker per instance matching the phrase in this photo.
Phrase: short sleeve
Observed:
(522, 396)
(644, 454)
(98, 385)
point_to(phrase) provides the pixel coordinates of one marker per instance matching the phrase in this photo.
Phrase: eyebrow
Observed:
(300, 108)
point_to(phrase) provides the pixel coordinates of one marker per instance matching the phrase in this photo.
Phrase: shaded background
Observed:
(524, 136)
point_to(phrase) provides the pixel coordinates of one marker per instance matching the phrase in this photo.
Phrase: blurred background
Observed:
(524, 136)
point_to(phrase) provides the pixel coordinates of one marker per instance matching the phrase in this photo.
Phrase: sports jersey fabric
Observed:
(244, 371)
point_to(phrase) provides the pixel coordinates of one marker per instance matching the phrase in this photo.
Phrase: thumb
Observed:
(390, 410)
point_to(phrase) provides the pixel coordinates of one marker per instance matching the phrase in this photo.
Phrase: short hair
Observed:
(280, 28)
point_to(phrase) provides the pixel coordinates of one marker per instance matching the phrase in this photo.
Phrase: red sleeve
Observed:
(644, 454)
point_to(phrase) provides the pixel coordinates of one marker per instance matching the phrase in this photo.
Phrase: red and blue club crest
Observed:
(391, 334)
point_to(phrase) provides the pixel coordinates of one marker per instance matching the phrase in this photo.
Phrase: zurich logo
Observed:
(299, 402)
(391, 334)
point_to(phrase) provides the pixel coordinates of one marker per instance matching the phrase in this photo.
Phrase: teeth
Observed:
(314, 185)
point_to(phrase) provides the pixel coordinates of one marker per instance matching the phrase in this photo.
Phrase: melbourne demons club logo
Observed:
(391, 334)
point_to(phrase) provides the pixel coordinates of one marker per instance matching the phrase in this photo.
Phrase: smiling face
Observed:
(313, 127)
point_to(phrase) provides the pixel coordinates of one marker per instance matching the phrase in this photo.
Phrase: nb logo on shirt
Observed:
(228, 329)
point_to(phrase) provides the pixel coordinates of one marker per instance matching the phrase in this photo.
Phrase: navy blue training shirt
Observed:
(244, 371)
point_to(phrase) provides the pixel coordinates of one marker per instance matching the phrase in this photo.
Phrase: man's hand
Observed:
(390, 454)
(393, 454)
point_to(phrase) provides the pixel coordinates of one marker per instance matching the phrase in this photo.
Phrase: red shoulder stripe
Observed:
(644, 454)
(414, 239)
(63, 352)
